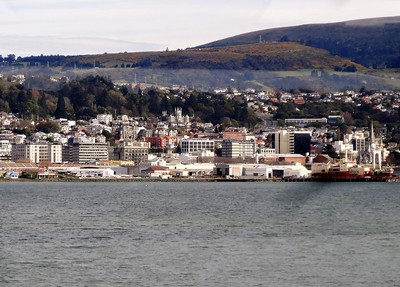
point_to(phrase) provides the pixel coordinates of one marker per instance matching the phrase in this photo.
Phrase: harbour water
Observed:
(199, 234)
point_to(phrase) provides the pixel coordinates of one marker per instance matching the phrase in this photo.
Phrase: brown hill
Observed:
(370, 42)
(260, 56)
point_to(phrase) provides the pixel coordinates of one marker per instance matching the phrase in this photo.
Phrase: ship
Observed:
(350, 172)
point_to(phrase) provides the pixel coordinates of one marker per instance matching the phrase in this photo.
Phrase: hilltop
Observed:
(370, 42)
(328, 57)
(282, 56)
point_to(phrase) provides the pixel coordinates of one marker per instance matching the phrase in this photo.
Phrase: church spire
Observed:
(372, 133)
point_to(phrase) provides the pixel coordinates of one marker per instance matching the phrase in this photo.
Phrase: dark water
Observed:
(199, 234)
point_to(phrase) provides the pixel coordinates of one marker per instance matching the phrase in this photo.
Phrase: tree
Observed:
(350, 69)
(398, 114)
(314, 74)
(330, 151)
(48, 127)
(4, 106)
(244, 115)
(77, 96)
(348, 118)
(26, 104)
(324, 74)
(10, 58)
(155, 102)
(61, 111)
(165, 105)
(284, 38)
(124, 90)
(393, 158)
(107, 134)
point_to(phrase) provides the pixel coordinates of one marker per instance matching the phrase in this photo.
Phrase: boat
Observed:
(349, 172)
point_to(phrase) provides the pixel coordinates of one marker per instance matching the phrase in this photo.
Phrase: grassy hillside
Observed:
(259, 56)
(369, 42)
(315, 57)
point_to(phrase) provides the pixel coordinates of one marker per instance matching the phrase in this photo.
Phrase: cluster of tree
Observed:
(18, 100)
(34, 61)
(361, 47)
(9, 59)
(42, 60)
(85, 98)
(393, 158)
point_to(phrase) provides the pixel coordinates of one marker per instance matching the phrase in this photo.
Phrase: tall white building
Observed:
(37, 152)
(5, 149)
(238, 148)
(359, 142)
(284, 142)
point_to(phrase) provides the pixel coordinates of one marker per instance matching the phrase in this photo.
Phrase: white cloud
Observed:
(176, 24)
(288, 12)
(24, 45)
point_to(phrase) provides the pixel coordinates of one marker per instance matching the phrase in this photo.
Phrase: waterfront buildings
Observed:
(81, 152)
(190, 145)
(238, 148)
(260, 171)
(359, 141)
(288, 141)
(131, 141)
(5, 150)
(37, 152)
(132, 151)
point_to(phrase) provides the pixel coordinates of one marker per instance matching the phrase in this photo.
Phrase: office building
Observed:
(190, 145)
(238, 148)
(37, 152)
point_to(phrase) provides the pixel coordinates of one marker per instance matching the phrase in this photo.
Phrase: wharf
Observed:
(205, 179)
(364, 179)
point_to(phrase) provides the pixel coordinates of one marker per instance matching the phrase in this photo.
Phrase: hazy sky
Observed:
(70, 27)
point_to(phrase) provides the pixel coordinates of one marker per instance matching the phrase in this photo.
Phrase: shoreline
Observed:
(389, 180)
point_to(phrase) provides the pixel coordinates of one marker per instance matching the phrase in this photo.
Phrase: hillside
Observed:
(324, 57)
(260, 56)
(370, 42)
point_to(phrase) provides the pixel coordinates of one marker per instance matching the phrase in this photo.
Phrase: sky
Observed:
(75, 27)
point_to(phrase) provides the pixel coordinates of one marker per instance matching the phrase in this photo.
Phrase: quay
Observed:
(395, 178)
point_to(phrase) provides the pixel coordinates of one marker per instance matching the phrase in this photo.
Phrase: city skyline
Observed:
(91, 27)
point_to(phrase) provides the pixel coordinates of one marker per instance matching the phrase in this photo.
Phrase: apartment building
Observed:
(292, 142)
(37, 152)
(238, 148)
(5, 150)
(132, 151)
(189, 145)
(359, 142)
(85, 152)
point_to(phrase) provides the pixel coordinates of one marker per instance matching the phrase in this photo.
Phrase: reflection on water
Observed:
(199, 234)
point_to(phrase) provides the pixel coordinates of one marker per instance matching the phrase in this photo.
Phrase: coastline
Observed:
(395, 179)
